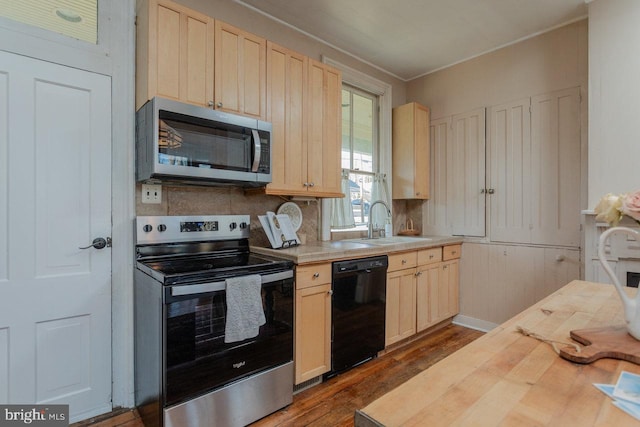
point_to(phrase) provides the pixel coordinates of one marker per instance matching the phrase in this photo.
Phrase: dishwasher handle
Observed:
(360, 265)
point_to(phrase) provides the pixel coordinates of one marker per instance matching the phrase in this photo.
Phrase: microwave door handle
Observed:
(257, 149)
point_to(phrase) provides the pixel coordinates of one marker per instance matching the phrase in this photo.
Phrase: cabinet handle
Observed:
(306, 184)
(453, 252)
(491, 191)
(431, 256)
(311, 184)
(316, 275)
(404, 261)
(419, 273)
(211, 103)
(444, 267)
(482, 191)
(219, 104)
(330, 292)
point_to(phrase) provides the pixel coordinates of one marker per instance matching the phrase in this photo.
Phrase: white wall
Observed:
(550, 61)
(614, 98)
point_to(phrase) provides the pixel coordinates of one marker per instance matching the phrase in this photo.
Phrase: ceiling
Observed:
(410, 38)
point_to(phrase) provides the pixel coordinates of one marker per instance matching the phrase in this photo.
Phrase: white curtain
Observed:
(341, 209)
(379, 191)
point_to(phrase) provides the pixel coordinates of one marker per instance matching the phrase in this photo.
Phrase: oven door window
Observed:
(209, 145)
(197, 358)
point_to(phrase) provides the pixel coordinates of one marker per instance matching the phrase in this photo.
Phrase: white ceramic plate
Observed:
(294, 213)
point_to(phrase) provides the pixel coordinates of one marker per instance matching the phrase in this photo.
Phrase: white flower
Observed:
(609, 210)
(612, 208)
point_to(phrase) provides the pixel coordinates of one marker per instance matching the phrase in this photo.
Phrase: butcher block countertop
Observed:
(355, 248)
(507, 379)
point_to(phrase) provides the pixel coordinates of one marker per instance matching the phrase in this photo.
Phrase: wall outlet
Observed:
(151, 193)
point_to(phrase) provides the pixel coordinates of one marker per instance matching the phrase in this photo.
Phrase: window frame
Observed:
(375, 152)
(383, 90)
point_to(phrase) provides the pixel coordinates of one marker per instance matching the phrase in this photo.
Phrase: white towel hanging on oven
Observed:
(245, 314)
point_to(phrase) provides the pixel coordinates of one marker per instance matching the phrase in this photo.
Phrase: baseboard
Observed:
(473, 323)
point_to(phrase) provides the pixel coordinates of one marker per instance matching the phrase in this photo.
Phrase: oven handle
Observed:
(221, 285)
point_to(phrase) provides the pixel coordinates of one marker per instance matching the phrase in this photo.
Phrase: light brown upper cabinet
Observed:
(324, 130)
(190, 57)
(240, 71)
(411, 151)
(303, 104)
(174, 57)
(286, 84)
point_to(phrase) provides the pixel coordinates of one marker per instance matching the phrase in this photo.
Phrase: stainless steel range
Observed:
(191, 367)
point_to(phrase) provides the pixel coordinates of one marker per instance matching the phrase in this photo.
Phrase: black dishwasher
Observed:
(358, 311)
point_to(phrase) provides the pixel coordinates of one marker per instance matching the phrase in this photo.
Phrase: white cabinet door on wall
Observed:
(510, 171)
(499, 281)
(467, 173)
(457, 205)
(555, 167)
(439, 213)
(535, 169)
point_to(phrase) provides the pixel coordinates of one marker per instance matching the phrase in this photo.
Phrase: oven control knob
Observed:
(162, 228)
(147, 228)
(233, 226)
(243, 225)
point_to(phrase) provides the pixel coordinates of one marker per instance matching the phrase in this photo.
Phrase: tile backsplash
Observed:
(195, 200)
(198, 200)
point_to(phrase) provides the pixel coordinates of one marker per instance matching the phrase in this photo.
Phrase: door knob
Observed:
(99, 243)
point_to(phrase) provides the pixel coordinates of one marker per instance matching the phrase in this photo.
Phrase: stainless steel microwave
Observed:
(177, 142)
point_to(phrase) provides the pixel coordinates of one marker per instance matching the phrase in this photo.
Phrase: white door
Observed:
(55, 196)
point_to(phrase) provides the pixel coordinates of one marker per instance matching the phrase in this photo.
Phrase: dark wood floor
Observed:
(333, 402)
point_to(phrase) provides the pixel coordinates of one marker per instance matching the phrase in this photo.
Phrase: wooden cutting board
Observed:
(612, 341)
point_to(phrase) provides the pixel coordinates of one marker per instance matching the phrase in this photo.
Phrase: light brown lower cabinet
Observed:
(424, 295)
(422, 290)
(436, 293)
(312, 322)
(400, 318)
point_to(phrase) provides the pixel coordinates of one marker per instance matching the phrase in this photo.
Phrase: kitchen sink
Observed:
(393, 240)
(350, 244)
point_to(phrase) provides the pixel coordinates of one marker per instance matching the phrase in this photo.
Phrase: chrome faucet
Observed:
(369, 225)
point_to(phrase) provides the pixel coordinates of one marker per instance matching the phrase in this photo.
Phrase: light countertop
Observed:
(355, 248)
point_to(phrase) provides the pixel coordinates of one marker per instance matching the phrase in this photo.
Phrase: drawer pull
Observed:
(404, 261)
(453, 252)
(419, 273)
(330, 292)
(431, 256)
(316, 275)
